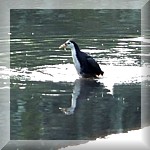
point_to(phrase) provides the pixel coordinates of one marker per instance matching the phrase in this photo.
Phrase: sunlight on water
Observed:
(58, 73)
(68, 73)
(137, 39)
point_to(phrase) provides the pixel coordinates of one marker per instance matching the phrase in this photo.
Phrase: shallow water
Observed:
(48, 99)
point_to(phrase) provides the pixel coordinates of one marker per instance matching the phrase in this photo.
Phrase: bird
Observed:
(85, 65)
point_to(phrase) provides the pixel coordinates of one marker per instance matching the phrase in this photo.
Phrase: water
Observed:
(48, 99)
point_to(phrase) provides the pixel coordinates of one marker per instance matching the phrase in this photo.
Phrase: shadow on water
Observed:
(83, 90)
(86, 110)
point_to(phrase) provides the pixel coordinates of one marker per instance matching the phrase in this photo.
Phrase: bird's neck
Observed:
(74, 52)
(75, 49)
(75, 56)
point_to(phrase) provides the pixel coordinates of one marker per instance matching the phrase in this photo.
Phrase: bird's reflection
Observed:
(83, 89)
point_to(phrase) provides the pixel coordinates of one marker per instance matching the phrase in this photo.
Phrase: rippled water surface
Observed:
(48, 99)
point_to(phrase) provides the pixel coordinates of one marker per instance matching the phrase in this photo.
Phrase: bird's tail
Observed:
(102, 72)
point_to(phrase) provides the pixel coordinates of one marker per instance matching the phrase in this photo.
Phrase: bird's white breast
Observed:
(75, 60)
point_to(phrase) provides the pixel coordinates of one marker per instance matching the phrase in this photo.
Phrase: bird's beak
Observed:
(63, 46)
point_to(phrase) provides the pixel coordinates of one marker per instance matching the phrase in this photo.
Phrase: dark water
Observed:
(48, 100)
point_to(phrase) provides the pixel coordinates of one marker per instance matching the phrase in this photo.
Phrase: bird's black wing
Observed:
(93, 63)
(89, 65)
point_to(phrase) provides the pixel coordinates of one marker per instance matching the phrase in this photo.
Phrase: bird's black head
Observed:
(75, 45)
(70, 44)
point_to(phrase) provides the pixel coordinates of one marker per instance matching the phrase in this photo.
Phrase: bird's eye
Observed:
(68, 42)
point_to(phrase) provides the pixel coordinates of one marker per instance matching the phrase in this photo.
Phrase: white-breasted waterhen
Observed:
(85, 65)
